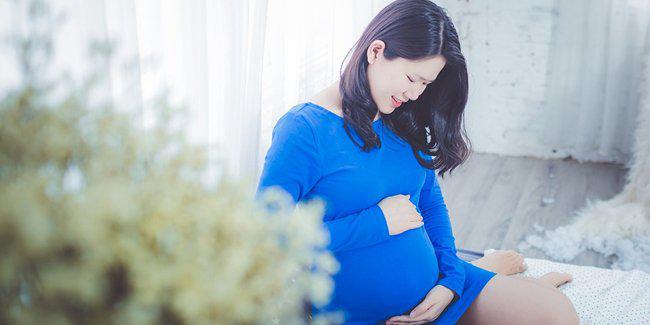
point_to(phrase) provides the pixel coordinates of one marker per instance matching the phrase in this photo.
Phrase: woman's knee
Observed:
(507, 300)
(563, 311)
(557, 309)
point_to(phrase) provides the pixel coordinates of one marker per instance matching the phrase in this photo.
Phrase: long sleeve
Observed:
(438, 226)
(294, 163)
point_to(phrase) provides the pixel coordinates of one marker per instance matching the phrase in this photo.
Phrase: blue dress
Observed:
(380, 275)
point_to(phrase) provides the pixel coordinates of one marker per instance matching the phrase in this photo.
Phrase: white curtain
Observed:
(593, 89)
(209, 54)
(236, 66)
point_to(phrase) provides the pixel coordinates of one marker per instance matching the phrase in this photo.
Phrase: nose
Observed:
(414, 92)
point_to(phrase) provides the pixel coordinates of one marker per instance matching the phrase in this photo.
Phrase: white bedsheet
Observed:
(600, 296)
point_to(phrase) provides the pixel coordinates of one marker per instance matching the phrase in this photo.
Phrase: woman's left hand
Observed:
(429, 309)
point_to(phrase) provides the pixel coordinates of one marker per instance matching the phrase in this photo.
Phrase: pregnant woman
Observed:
(369, 146)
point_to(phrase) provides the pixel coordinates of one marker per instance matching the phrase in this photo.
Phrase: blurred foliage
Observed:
(102, 221)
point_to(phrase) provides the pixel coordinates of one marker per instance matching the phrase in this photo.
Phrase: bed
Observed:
(600, 296)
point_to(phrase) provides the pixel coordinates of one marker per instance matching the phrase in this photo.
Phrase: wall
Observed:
(552, 79)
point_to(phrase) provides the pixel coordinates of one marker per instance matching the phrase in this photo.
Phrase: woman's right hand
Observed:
(400, 214)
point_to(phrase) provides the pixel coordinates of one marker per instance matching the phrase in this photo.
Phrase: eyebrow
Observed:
(421, 78)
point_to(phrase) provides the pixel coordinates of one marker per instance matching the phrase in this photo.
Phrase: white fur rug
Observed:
(600, 296)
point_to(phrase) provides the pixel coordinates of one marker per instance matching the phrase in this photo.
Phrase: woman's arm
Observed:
(294, 163)
(436, 222)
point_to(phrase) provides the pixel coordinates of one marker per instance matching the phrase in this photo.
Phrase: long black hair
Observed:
(432, 124)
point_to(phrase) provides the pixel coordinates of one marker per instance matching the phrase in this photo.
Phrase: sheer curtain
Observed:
(236, 66)
(593, 86)
(209, 54)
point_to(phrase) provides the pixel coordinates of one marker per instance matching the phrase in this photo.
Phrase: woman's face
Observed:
(400, 78)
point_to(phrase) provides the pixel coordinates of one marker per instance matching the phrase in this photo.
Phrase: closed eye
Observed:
(411, 80)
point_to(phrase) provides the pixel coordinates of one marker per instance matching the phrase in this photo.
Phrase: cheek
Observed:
(391, 87)
(401, 84)
(386, 83)
(383, 88)
(375, 81)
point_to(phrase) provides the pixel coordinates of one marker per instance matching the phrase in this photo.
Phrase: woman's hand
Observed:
(429, 309)
(400, 214)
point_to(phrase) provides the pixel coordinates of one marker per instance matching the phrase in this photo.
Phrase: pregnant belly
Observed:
(386, 279)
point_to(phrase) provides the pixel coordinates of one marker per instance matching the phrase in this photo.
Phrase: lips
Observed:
(396, 103)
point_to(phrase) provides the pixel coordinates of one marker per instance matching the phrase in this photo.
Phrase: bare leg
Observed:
(512, 300)
(504, 262)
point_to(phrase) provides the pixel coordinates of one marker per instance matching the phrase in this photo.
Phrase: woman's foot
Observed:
(556, 279)
(504, 262)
